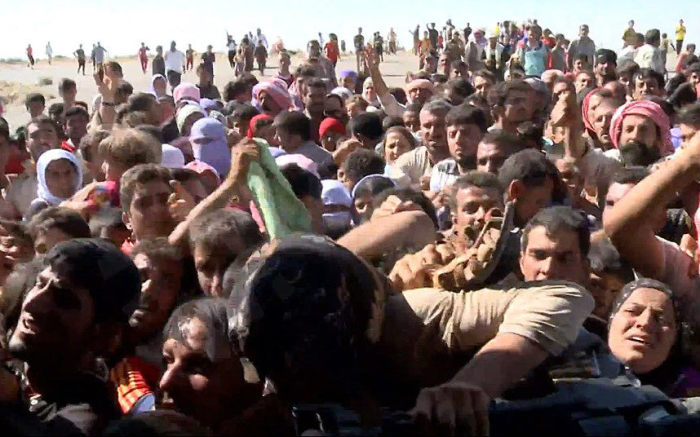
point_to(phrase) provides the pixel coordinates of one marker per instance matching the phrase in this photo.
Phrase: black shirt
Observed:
(209, 92)
(208, 60)
(158, 65)
(82, 405)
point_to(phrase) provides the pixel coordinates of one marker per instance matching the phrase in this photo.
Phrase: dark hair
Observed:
(683, 96)
(155, 423)
(628, 68)
(244, 112)
(114, 66)
(414, 107)
(304, 183)
(56, 109)
(557, 218)
(408, 194)
(530, 167)
(373, 186)
(694, 67)
(474, 178)
(604, 258)
(234, 88)
(305, 70)
(498, 93)
(390, 122)
(317, 83)
(648, 73)
(504, 140)
(139, 175)
(485, 74)
(367, 124)
(16, 287)
(295, 123)
(93, 137)
(158, 248)
(673, 83)
(652, 36)
(77, 110)
(44, 119)
(65, 220)
(460, 86)
(630, 175)
(66, 84)
(210, 311)
(141, 102)
(109, 276)
(4, 129)
(361, 163)
(34, 98)
(399, 94)
(689, 115)
(465, 114)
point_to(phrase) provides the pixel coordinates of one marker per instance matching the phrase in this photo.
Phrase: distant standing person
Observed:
(331, 49)
(158, 64)
(30, 57)
(49, 52)
(80, 55)
(680, 36)
(260, 54)
(99, 55)
(143, 57)
(433, 35)
(208, 59)
(416, 38)
(189, 58)
(92, 57)
(174, 61)
(359, 43)
(231, 46)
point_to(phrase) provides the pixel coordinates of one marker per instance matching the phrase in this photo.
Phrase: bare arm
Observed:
(628, 224)
(380, 235)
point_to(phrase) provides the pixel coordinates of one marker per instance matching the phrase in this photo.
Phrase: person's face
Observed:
(694, 78)
(615, 193)
(160, 285)
(368, 91)
(35, 109)
(560, 89)
(269, 105)
(638, 128)
(473, 204)
(553, 257)
(334, 108)
(516, 107)
(529, 200)
(202, 386)
(195, 188)
(579, 65)
(283, 137)
(571, 178)
(68, 94)
(56, 320)
(363, 206)
(602, 116)
(583, 31)
(40, 138)
(430, 64)
(149, 215)
(490, 157)
(302, 85)
(315, 208)
(395, 145)
(76, 127)
(688, 132)
(605, 69)
(604, 287)
(330, 140)
(284, 61)
(593, 104)
(211, 265)
(463, 140)
(349, 83)
(61, 178)
(160, 85)
(433, 132)
(583, 81)
(643, 331)
(646, 87)
(419, 95)
(112, 169)
(617, 88)
(46, 239)
(453, 97)
(412, 121)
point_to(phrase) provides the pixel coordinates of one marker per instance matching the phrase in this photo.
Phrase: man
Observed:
(231, 47)
(433, 36)
(67, 90)
(294, 135)
(474, 52)
(366, 128)
(649, 55)
(42, 135)
(359, 43)
(558, 53)
(260, 54)
(207, 89)
(510, 105)
(158, 64)
(493, 150)
(647, 83)
(689, 121)
(628, 53)
(143, 57)
(314, 105)
(680, 36)
(49, 52)
(99, 54)
(77, 119)
(582, 46)
(284, 74)
(605, 66)
(260, 37)
(35, 104)
(174, 61)
(144, 195)
(80, 56)
(466, 127)
(208, 59)
(414, 168)
(622, 182)
(629, 36)
(495, 56)
(585, 80)
(483, 81)
(76, 313)
(633, 234)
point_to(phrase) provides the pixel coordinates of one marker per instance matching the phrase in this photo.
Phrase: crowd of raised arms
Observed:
(519, 219)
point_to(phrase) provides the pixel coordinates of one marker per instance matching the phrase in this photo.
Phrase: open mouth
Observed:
(639, 340)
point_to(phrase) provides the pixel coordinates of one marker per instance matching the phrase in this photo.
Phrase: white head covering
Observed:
(172, 157)
(152, 90)
(47, 158)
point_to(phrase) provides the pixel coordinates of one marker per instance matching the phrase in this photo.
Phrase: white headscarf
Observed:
(42, 164)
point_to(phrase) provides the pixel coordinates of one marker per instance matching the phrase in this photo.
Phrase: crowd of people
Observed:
(187, 260)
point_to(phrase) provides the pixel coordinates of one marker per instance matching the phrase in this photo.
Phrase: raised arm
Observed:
(391, 106)
(628, 224)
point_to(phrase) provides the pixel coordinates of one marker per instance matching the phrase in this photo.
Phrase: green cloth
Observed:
(279, 207)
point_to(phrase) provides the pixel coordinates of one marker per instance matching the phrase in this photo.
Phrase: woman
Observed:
(159, 85)
(644, 335)
(534, 53)
(369, 94)
(363, 195)
(397, 141)
(209, 144)
(59, 176)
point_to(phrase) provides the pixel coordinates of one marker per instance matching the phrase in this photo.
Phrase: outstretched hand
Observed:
(180, 201)
(453, 408)
(245, 152)
(371, 59)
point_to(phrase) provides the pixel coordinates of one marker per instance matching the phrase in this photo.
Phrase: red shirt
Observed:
(332, 51)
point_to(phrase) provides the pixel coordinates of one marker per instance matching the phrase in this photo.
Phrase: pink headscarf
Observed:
(584, 110)
(186, 90)
(277, 89)
(644, 108)
(201, 167)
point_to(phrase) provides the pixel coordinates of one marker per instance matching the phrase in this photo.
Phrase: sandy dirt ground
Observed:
(16, 80)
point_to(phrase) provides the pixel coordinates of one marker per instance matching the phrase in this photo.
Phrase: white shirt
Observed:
(648, 56)
(260, 37)
(174, 61)
(231, 46)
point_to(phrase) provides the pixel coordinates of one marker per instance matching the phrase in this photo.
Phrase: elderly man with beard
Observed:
(418, 91)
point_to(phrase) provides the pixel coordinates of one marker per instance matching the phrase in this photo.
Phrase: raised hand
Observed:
(245, 152)
(180, 201)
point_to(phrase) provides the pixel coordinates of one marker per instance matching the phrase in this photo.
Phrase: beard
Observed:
(466, 162)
